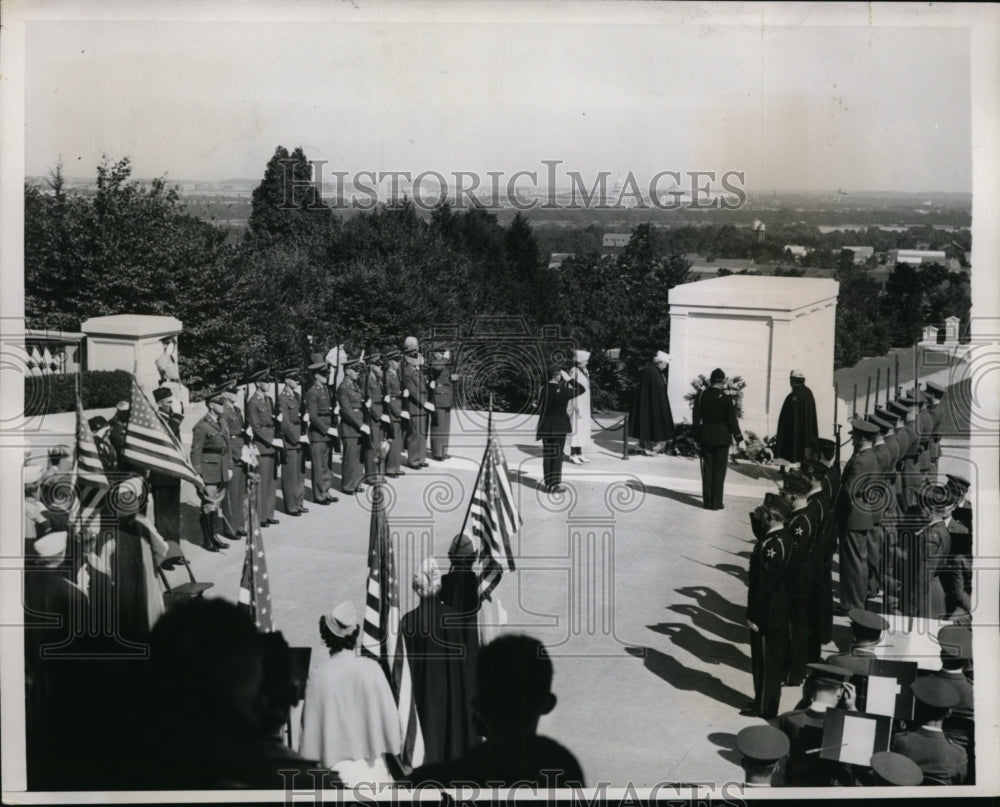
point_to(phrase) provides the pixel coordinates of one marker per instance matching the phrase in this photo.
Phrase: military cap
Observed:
(97, 423)
(897, 409)
(796, 482)
(552, 368)
(826, 448)
(935, 692)
(863, 427)
(814, 468)
(762, 743)
(958, 482)
(260, 375)
(717, 376)
(829, 672)
(934, 389)
(162, 393)
(896, 769)
(375, 357)
(956, 641)
(319, 367)
(292, 373)
(123, 406)
(758, 521)
(886, 415)
(797, 374)
(461, 547)
(214, 394)
(777, 505)
(884, 425)
(230, 385)
(317, 357)
(907, 400)
(867, 619)
(392, 355)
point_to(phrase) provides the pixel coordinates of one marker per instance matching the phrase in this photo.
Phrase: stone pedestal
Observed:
(131, 342)
(760, 328)
(951, 330)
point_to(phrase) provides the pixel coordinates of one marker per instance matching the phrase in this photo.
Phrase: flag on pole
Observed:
(149, 442)
(380, 637)
(255, 591)
(90, 481)
(493, 517)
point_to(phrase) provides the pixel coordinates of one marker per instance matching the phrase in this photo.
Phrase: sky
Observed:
(797, 101)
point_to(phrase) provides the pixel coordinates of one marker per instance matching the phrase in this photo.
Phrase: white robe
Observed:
(579, 412)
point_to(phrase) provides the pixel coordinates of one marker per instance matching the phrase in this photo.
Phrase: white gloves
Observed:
(428, 406)
(332, 432)
(366, 429)
(432, 384)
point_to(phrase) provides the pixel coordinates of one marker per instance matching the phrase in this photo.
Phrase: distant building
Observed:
(616, 240)
(861, 254)
(556, 259)
(917, 256)
(796, 250)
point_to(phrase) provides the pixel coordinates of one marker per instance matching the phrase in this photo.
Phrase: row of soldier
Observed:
(370, 409)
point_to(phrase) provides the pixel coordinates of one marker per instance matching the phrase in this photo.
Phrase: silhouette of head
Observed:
(513, 685)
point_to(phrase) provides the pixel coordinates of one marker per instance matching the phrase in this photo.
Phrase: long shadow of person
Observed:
(675, 495)
(709, 651)
(708, 622)
(727, 746)
(687, 679)
(712, 601)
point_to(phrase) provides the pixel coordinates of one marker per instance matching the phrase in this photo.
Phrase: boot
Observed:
(207, 538)
(215, 532)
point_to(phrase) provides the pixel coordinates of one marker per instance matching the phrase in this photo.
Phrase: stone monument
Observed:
(143, 344)
(760, 328)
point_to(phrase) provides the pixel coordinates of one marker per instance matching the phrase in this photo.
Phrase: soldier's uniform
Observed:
(260, 418)
(165, 489)
(941, 761)
(883, 495)
(440, 379)
(211, 458)
(395, 407)
(925, 430)
(856, 519)
(319, 407)
(293, 483)
(802, 528)
(819, 596)
(867, 628)
(948, 596)
(234, 505)
(961, 527)
(911, 477)
(352, 427)
(378, 418)
(767, 604)
(417, 405)
(936, 395)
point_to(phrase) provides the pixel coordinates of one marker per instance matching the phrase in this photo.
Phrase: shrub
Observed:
(99, 389)
(733, 388)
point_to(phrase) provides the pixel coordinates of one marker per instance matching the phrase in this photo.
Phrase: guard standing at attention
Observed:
(398, 414)
(260, 418)
(293, 483)
(855, 517)
(417, 405)
(352, 428)
(440, 378)
(233, 506)
(714, 424)
(210, 457)
(319, 407)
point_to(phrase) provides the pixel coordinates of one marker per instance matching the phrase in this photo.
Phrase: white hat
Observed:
(427, 581)
(662, 356)
(581, 356)
(797, 374)
(52, 547)
(341, 620)
(32, 474)
(410, 343)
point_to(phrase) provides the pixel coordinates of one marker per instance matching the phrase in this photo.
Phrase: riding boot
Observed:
(215, 531)
(207, 538)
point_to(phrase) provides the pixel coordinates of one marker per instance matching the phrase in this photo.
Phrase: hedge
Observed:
(99, 389)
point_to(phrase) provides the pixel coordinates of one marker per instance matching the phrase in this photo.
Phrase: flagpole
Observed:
(489, 431)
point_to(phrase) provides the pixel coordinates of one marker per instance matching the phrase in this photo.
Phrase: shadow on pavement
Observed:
(684, 678)
(684, 498)
(727, 746)
(715, 603)
(710, 623)
(707, 650)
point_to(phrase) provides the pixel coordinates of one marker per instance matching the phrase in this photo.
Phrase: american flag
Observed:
(380, 638)
(493, 517)
(149, 442)
(90, 481)
(255, 591)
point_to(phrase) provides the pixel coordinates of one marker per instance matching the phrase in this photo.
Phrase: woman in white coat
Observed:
(579, 409)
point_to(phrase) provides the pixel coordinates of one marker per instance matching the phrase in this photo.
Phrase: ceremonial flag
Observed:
(255, 591)
(88, 474)
(380, 637)
(149, 442)
(492, 518)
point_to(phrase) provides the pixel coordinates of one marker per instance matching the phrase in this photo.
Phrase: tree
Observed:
(286, 203)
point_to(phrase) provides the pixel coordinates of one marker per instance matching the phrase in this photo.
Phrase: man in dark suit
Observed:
(715, 427)
(319, 408)
(554, 425)
(210, 456)
(440, 378)
(292, 479)
(855, 516)
(942, 762)
(166, 489)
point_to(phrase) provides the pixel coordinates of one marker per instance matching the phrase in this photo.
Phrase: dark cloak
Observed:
(796, 424)
(650, 419)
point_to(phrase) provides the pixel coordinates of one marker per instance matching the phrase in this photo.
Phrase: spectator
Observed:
(513, 692)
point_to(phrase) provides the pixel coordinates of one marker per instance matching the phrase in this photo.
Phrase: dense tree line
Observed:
(370, 278)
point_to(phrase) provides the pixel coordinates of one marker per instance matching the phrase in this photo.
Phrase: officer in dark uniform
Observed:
(855, 516)
(948, 596)
(714, 424)
(956, 654)
(260, 419)
(440, 378)
(417, 405)
(234, 505)
(819, 602)
(761, 749)
(767, 605)
(319, 408)
(883, 496)
(293, 483)
(118, 426)
(166, 489)
(826, 454)
(100, 429)
(352, 427)
(895, 770)
(376, 416)
(935, 394)
(911, 477)
(942, 762)
(399, 415)
(866, 631)
(827, 687)
(802, 528)
(925, 430)
(960, 526)
(211, 458)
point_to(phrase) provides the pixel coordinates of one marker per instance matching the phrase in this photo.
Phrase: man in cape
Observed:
(797, 422)
(650, 420)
